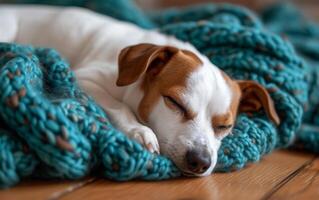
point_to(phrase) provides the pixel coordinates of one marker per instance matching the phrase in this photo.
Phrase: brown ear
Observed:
(254, 97)
(135, 60)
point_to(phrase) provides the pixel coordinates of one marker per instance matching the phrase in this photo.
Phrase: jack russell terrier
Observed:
(156, 89)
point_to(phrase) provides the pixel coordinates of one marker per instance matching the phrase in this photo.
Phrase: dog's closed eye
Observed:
(170, 101)
(223, 127)
(176, 105)
(221, 130)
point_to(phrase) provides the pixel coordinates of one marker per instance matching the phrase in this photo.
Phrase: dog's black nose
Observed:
(198, 160)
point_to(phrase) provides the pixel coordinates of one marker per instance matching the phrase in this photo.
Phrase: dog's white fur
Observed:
(91, 43)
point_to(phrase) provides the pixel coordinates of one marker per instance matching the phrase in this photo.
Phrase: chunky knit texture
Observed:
(52, 129)
(304, 35)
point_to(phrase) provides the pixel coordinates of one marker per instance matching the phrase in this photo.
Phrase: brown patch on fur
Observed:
(170, 81)
(235, 99)
(135, 60)
(256, 97)
(249, 96)
(226, 120)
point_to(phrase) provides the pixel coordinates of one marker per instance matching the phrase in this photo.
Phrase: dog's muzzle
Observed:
(198, 160)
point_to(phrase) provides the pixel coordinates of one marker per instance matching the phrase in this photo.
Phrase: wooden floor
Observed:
(281, 175)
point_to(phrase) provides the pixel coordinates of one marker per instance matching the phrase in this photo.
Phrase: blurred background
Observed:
(309, 7)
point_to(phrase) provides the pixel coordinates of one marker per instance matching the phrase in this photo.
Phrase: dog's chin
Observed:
(188, 173)
(191, 174)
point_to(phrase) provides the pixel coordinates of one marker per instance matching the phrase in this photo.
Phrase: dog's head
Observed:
(189, 103)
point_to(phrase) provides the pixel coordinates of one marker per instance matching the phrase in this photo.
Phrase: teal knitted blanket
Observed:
(51, 129)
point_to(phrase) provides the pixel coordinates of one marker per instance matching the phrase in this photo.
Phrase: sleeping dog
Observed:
(156, 89)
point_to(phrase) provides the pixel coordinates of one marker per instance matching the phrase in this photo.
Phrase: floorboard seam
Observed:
(283, 182)
(72, 188)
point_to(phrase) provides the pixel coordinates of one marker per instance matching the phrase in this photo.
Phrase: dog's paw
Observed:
(146, 137)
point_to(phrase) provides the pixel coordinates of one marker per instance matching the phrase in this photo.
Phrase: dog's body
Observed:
(174, 90)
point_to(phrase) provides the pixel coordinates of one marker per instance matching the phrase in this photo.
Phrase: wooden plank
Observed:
(305, 185)
(35, 189)
(252, 182)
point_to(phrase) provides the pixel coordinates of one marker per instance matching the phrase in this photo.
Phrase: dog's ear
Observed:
(138, 59)
(254, 97)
